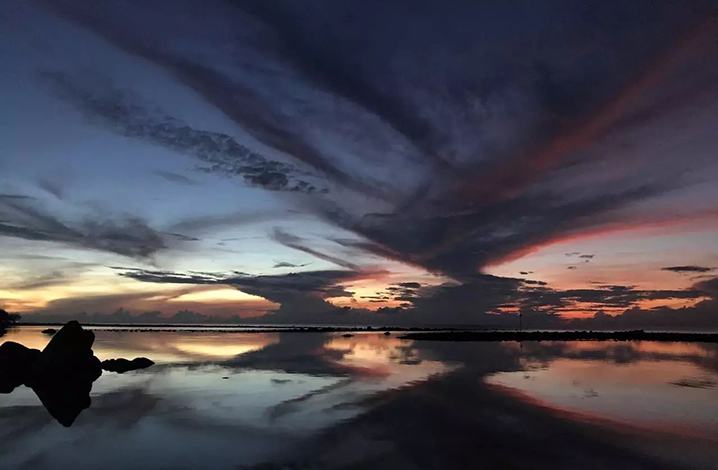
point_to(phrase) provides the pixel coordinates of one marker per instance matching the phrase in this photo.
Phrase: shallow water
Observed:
(231, 400)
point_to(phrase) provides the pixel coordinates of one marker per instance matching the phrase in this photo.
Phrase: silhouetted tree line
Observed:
(7, 320)
(633, 335)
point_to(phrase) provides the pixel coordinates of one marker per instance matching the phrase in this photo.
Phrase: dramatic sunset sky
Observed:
(378, 162)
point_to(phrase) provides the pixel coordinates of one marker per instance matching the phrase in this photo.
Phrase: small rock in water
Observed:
(49, 331)
(123, 365)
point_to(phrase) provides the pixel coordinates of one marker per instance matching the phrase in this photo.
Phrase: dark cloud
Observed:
(485, 300)
(285, 264)
(53, 187)
(509, 143)
(471, 236)
(709, 286)
(298, 243)
(688, 269)
(302, 296)
(493, 301)
(310, 54)
(402, 292)
(50, 279)
(466, 141)
(215, 223)
(410, 285)
(59, 313)
(185, 238)
(698, 317)
(129, 236)
(125, 113)
(10, 197)
(238, 96)
(175, 177)
(277, 288)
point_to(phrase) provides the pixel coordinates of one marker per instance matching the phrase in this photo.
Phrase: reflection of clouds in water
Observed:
(634, 383)
(296, 353)
(538, 354)
(368, 400)
(163, 347)
(174, 401)
(137, 428)
(181, 346)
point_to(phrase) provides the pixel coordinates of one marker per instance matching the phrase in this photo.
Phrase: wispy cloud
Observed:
(173, 177)
(286, 264)
(504, 154)
(126, 114)
(128, 236)
(298, 243)
(688, 269)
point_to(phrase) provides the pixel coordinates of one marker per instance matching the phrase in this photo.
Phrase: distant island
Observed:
(634, 335)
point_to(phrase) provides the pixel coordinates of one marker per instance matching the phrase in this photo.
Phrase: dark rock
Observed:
(16, 365)
(387, 333)
(123, 365)
(63, 374)
(71, 341)
(49, 331)
(347, 335)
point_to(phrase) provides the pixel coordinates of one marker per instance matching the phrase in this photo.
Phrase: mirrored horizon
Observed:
(252, 398)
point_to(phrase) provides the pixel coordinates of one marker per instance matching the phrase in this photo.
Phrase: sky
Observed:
(411, 162)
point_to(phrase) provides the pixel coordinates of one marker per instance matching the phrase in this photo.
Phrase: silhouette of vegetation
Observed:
(7, 320)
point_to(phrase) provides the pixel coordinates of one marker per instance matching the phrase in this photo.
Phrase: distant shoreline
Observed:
(411, 333)
(242, 328)
(635, 335)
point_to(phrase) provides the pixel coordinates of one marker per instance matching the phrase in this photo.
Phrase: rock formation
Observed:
(63, 373)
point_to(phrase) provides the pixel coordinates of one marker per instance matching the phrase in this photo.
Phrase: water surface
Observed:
(230, 400)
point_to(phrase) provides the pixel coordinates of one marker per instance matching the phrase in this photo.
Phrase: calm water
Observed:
(308, 400)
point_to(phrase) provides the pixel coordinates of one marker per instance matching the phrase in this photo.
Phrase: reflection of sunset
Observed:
(390, 357)
(370, 347)
(163, 347)
(215, 347)
(602, 378)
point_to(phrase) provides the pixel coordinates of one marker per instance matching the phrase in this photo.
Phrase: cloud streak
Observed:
(497, 161)
(129, 236)
(125, 114)
(297, 243)
(688, 269)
